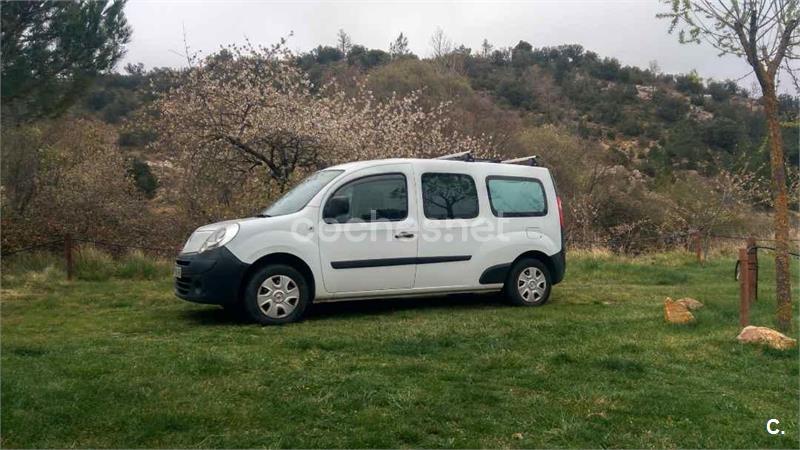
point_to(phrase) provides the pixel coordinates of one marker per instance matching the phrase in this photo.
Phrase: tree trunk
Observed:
(781, 203)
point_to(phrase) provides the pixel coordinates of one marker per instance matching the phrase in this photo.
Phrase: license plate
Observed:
(177, 271)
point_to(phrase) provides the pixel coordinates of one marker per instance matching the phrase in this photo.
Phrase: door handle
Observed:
(404, 235)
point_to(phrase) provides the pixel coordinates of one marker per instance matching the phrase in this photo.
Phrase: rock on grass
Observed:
(676, 312)
(690, 303)
(766, 336)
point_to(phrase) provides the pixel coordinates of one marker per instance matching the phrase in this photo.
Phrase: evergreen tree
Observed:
(399, 47)
(486, 48)
(53, 50)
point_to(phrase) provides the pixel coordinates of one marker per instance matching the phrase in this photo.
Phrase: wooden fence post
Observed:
(698, 247)
(68, 255)
(744, 288)
(752, 266)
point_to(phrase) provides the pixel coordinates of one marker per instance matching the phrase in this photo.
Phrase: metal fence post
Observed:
(752, 266)
(68, 255)
(744, 288)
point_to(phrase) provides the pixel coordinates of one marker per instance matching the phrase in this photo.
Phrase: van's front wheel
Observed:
(276, 294)
(528, 283)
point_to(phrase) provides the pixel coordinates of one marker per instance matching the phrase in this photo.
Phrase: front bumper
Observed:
(211, 277)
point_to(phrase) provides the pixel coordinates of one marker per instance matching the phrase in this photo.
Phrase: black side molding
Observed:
(557, 264)
(559, 261)
(495, 274)
(384, 262)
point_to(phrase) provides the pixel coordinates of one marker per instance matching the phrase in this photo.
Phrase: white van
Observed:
(381, 229)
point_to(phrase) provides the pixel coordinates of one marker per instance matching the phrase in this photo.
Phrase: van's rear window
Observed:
(516, 196)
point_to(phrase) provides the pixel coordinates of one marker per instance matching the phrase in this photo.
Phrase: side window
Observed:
(449, 196)
(516, 197)
(376, 198)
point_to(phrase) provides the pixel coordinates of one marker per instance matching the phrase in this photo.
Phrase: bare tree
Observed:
(440, 44)
(447, 194)
(765, 33)
(654, 68)
(343, 42)
(248, 115)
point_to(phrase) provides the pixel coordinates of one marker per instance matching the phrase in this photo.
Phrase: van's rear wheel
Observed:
(528, 283)
(276, 294)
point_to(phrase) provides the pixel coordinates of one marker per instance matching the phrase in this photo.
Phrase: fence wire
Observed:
(33, 247)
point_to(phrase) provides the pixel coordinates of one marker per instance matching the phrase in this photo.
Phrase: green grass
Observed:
(122, 363)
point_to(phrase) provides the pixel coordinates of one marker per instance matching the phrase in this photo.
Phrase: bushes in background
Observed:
(90, 264)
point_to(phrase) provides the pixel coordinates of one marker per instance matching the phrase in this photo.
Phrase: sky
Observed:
(627, 30)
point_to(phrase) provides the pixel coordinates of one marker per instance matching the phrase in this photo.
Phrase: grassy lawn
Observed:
(122, 363)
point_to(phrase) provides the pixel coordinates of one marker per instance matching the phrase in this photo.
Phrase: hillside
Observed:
(646, 119)
(630, 147)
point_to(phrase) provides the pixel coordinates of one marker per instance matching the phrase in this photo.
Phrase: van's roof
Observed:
(445, 164)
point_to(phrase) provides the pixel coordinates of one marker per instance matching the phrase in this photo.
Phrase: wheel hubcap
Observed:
(278, 296)
(531, 284)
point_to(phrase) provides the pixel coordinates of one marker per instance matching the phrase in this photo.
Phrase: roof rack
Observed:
(467, 157)
(460, 156)
(525, 160)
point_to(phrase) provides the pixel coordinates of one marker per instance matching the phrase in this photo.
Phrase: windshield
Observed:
(300, 195)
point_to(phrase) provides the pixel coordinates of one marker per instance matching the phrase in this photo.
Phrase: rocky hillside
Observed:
(654, 122)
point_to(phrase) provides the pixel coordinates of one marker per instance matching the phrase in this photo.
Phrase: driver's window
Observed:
(376, 198)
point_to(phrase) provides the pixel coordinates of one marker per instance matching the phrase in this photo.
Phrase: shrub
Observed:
(137, 265)
(516, 93)
(630, 126)
(721, 92)
(608, 69)
(669, 107)
(690, 83)
(135, 137)
(607, 113)
(697, 100)
(367, 59)
(652, 131)
(143, 177)
(92, 264)
(723, 133)
(522, 55)
(66, 176)
(35, 261)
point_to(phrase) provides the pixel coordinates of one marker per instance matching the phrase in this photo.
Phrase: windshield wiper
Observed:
(262, 215)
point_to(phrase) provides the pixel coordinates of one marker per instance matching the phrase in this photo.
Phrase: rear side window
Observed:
(449, 196)
(516, 197)
(377, 198)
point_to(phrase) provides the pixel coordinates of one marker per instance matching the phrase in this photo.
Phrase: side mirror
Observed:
(336, 208)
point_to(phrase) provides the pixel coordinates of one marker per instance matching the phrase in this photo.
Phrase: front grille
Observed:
(183, 285)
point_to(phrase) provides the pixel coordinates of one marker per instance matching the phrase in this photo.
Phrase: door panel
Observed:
(369, 239)
(450, 213)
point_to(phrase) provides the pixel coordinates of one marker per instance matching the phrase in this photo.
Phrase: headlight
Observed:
(220, 237)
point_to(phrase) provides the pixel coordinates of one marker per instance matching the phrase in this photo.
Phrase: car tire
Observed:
(276, 294)
(528, 283)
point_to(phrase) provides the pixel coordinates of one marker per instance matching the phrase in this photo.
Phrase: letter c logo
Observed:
(772, 430)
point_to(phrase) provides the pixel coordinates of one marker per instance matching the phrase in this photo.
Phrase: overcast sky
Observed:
(626, 30)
